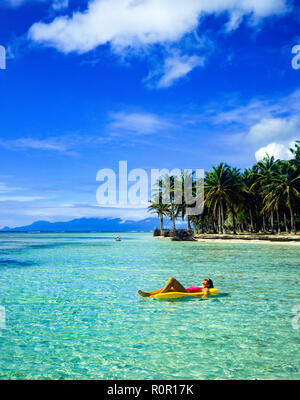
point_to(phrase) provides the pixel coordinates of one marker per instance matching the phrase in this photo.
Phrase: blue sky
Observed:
(159, 83)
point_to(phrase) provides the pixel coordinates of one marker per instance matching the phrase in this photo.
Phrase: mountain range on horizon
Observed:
(89, 224)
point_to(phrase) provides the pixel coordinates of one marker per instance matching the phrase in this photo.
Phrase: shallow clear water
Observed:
(73, 312)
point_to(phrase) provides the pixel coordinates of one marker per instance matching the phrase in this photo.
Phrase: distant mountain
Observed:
(89, 224)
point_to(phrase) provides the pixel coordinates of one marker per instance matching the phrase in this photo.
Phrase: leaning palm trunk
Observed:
(195, 229)
(264, 223)
(272, 222)
(251, 220)
(214, 227)
(173, 218)
(173, 223)
(278, 221)
(219, 220)
(161, 224)
(233, 223)
(222, 217)
(285, 222)
(202, 226)
(293, 225)
(188, 223)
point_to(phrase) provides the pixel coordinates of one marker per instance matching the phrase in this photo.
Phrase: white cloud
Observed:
(64, 212)
(229, 110)
(273, 129)
(136, 23)
(236, 18)
(28, 143)
(15, 3)
(244, 128)
(18, 214)
(59, 144)
(5, 188)
(132, 25)
(176, 67)
(5, 195)
(137, 123)
(20, 198)
(55, 4)
(60, 4)
(278, 150)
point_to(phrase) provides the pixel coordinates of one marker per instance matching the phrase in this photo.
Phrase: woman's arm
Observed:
(205, 293)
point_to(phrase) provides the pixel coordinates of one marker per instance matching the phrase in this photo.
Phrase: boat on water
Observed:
(118, 239)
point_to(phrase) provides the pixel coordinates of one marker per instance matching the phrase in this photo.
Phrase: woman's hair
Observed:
(210, 283)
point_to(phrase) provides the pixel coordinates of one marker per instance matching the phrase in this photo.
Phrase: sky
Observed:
(158, 83)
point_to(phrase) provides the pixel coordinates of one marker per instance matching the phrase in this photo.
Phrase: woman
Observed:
(174, 286)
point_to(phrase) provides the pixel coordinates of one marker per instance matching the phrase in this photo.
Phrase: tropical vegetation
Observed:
(263, 198)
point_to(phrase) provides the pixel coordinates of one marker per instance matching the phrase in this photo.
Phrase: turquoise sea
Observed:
(73, 312)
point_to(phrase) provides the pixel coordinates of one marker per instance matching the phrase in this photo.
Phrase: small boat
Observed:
(118, 239)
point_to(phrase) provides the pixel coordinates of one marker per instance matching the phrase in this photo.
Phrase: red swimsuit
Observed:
(194, 289)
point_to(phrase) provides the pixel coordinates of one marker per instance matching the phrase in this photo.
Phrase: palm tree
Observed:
(222, 188)
(250, 198)
(235, 195)
(161, 210)
(166, 192)
(247, 201)
(284, 185)
(296, 152)
(263, 172)
(189, 196)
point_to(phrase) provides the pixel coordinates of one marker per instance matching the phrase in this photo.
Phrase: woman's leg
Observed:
(171, 286)
(147, 294)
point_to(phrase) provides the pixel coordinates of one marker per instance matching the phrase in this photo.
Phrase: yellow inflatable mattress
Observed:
(178, 295)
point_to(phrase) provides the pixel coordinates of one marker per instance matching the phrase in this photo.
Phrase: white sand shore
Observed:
(282, 240)
(252, 241)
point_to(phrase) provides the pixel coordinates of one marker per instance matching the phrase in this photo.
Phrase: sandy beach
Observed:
(252, 241)
(283, 239)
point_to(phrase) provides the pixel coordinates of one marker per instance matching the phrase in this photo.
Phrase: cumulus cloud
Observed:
(278, 150)
(273, 129)
(133, 23)
(139, 24)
